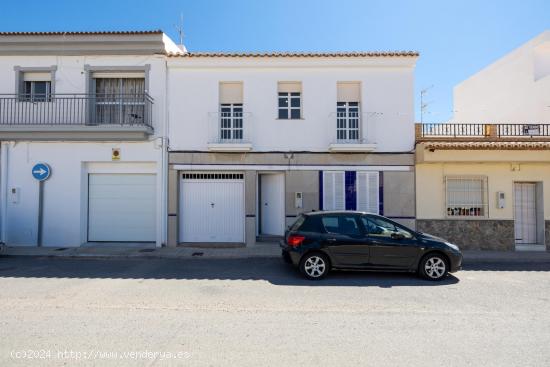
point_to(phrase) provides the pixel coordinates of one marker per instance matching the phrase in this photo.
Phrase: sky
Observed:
(455, 38)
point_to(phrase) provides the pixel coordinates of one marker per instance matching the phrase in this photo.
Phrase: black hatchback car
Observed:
(320, 241)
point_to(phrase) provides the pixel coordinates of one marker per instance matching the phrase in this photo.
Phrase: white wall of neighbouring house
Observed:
(70, 76)
(387, 100)
(514, 89)
(65, 213)
(66, 191)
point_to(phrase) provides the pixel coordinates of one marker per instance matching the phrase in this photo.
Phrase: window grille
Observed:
(466, 196)
(347, 121)
(212, 176)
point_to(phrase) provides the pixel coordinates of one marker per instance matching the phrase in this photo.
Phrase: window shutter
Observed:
(349, 92)
(117, 74)
(290, 87)
(334, 196)
(37, 76)
(231, 92)
(367, 192)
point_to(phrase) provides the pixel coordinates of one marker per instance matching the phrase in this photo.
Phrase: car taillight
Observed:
(295, 241)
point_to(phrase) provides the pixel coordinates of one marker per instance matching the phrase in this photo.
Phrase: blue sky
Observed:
(455, 38)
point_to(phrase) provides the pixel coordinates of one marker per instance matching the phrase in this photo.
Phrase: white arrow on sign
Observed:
(41, 171)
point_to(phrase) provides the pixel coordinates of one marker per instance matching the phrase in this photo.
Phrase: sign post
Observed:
(41, 172)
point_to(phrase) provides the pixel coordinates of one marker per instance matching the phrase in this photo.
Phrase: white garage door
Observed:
(121, 207)
(212, 207)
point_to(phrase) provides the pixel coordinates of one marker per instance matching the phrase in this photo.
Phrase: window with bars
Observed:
(466, 196)
(347, 121)
(231, 121)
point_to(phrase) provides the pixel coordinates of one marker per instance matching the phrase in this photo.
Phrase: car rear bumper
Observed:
(289, 256)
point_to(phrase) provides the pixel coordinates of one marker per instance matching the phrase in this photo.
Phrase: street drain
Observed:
(197, 254)
(61, 249)
(147, 250)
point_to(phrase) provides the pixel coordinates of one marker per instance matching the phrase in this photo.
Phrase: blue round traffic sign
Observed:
(41, 171)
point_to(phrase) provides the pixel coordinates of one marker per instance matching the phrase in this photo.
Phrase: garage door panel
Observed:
(122, 207)
(212, 211)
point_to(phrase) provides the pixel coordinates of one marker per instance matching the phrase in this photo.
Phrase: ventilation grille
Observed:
(212, 176)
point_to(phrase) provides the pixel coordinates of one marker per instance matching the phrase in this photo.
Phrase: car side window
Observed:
(340, 224)
(379, 227)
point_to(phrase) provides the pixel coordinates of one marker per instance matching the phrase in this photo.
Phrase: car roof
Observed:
(323, 212)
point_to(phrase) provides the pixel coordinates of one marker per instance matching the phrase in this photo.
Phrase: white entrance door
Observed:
(121, 207)
(525, 213)
(272, 204)
(212, 207)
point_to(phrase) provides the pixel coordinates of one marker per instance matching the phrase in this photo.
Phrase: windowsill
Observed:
(301, 118)
(352, 147)
(470, 217)
(229, 146)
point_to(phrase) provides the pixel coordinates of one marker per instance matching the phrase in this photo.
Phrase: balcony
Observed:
(76, 117)
(482, 132)
(350, 133)
(229, 131)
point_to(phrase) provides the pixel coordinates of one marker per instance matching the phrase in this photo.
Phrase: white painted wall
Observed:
(514, 89)
(65, 192)
(386, 87)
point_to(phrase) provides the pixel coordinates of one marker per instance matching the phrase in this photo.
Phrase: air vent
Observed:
(212, 176)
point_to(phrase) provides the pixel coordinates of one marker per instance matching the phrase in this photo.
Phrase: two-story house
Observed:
(90, 105)
(256, 139)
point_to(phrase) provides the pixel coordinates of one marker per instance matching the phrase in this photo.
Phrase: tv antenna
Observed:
(179, 29)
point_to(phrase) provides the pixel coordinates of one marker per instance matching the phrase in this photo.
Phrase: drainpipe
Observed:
(4, 189)
(165, 146)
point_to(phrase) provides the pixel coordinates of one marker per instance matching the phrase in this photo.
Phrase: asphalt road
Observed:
(259, 312)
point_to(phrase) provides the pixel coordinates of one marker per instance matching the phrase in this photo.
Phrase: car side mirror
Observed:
(397, 236)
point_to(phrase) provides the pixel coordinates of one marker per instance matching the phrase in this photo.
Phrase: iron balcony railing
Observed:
(482, 131)
(350, 127)
(76, 109)
(229, 127)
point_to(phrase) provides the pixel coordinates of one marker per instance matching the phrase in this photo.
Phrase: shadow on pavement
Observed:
(272, 270)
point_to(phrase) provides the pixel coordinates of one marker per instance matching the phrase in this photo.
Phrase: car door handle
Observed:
(331, 239)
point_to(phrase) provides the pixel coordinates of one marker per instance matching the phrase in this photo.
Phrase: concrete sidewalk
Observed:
(146, 251)
(261, 249)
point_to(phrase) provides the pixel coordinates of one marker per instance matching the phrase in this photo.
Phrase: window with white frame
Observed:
(466, 196)
(290, 100)
(231, 111)
(348, 114)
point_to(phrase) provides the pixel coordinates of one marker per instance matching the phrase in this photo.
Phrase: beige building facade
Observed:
(483, 191)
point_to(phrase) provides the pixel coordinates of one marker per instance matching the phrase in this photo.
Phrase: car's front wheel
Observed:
(314, 266)
(433, 267)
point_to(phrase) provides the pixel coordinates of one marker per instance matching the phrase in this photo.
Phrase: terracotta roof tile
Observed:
(157, 31)
(300, 54)
(488, 145)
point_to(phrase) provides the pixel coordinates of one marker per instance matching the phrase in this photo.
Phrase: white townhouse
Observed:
(515, 89)
(91, 107)
(256, 139)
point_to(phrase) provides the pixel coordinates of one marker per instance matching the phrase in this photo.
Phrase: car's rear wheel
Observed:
(433, 267)
(314, 266)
